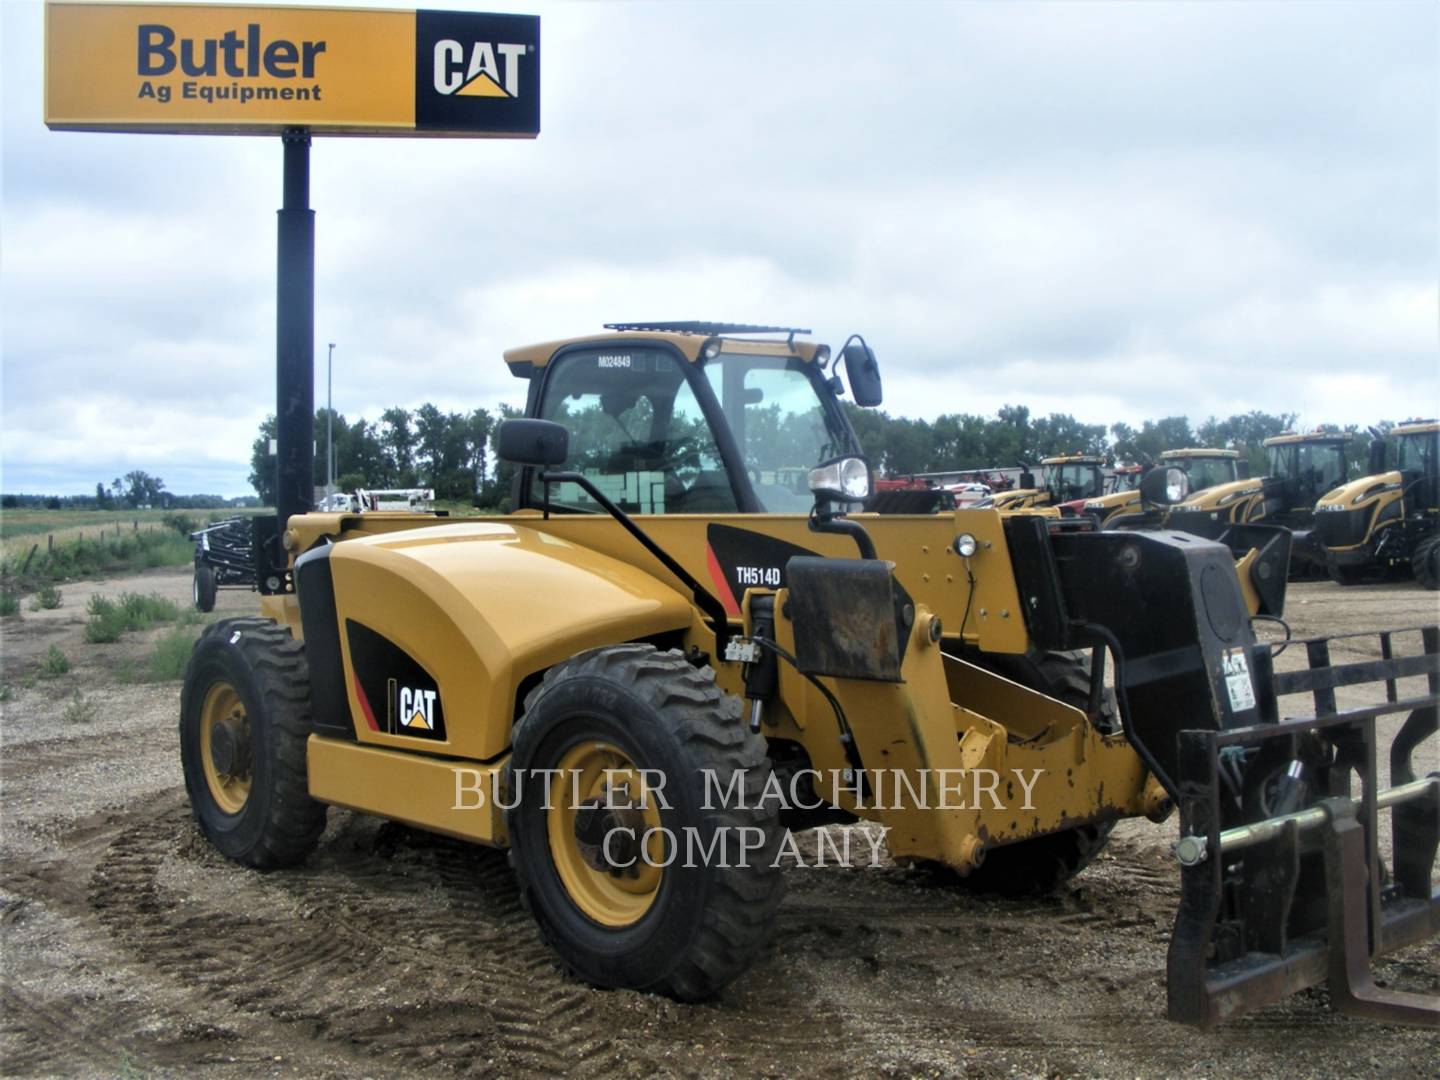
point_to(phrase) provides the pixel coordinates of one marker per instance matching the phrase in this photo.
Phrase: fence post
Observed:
(49, 543)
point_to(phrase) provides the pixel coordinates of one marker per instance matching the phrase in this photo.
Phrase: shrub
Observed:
(46, 598)
(183, 524)
(54, 665)
(172, 653)
(79, 709)
(9, 604)
(107, 621)
(143, 612)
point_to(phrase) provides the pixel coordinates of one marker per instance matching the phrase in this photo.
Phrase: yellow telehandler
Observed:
(678, 648)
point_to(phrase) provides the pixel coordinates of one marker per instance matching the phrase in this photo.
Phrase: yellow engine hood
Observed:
(1220, 495)
(1361, 490)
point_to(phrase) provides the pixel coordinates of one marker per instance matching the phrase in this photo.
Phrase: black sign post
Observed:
(295, 338)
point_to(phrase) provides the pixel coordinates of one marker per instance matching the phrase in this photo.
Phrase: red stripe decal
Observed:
(727, 596)
(365, 704)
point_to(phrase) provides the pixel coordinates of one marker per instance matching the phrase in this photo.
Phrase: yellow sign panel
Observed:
(260, 70)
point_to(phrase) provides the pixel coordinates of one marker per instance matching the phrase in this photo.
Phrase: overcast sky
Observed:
(1119, 211)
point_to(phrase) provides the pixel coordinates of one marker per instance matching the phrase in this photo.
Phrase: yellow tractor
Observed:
(1203, 467)
(676, 650)
(1299, 469)
(1066, 478)
(1389, 520)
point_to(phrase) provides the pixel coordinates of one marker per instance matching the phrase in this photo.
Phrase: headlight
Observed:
(965, 545)
(844, 478)
(1177, 485)
(1164, 487)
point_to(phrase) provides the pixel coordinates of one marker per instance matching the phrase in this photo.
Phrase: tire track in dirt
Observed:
(473, 986)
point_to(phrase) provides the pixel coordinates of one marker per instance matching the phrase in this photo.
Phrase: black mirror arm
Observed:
(704, 600)
(826, 522)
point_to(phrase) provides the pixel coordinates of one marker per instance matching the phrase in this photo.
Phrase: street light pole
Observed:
(329, 425)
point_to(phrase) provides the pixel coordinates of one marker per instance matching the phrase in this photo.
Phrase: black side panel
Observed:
(849, 620)
(328, 703)
(1170, 607)
(1038, 578)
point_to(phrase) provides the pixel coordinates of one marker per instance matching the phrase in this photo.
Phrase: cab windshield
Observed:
(1319, 466)
(640, 424)
(782, 425)
(1125, 481)
(1418, 452)
(1206, 472)
(1075, 481)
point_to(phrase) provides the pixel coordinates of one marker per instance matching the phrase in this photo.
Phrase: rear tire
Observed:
(244, 723)
(1425, 562)
(687, 930)
(203, 588)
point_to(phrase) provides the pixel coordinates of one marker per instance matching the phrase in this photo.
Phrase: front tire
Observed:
(244, 722)
(684, 929)
(203, 587)
(1425, 562)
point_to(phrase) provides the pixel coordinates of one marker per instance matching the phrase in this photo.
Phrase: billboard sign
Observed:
(211, 69)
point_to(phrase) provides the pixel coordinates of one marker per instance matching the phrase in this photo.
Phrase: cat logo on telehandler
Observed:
(688, 598)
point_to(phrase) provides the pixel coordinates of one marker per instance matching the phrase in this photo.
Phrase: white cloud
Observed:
(1115, 210)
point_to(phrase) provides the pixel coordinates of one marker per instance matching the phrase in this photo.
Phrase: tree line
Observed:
(454, 452)
(901, 446)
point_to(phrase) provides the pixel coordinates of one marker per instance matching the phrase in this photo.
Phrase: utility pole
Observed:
(329, 426)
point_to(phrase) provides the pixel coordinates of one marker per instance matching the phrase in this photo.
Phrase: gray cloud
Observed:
(1114, 210)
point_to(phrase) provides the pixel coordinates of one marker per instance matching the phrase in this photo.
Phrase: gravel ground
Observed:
(131, 948)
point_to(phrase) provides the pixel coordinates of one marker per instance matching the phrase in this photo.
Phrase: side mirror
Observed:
(1027, 479)
(863, 373)
(1164, 487)
(533, 442)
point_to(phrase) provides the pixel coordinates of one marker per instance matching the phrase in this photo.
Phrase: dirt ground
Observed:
(132, 948)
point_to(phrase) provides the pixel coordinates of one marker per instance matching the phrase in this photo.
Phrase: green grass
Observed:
(37, 523)
(89, 543)
(130, 611)
(91, 557)
(54, 665)
(171, 654)
(9, 603)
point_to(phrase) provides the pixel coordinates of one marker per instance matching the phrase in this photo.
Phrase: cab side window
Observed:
(636, 432)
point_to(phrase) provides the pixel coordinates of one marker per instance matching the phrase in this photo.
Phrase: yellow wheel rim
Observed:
(224, 713)
(597, 791)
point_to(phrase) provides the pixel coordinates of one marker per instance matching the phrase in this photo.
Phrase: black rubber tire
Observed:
(1345, 575)
(203, 588)
(1425, 562)
(707, 923)
(1044, 864)
(279, 824)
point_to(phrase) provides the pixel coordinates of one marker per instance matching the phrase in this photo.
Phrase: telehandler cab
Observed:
(684, 641)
